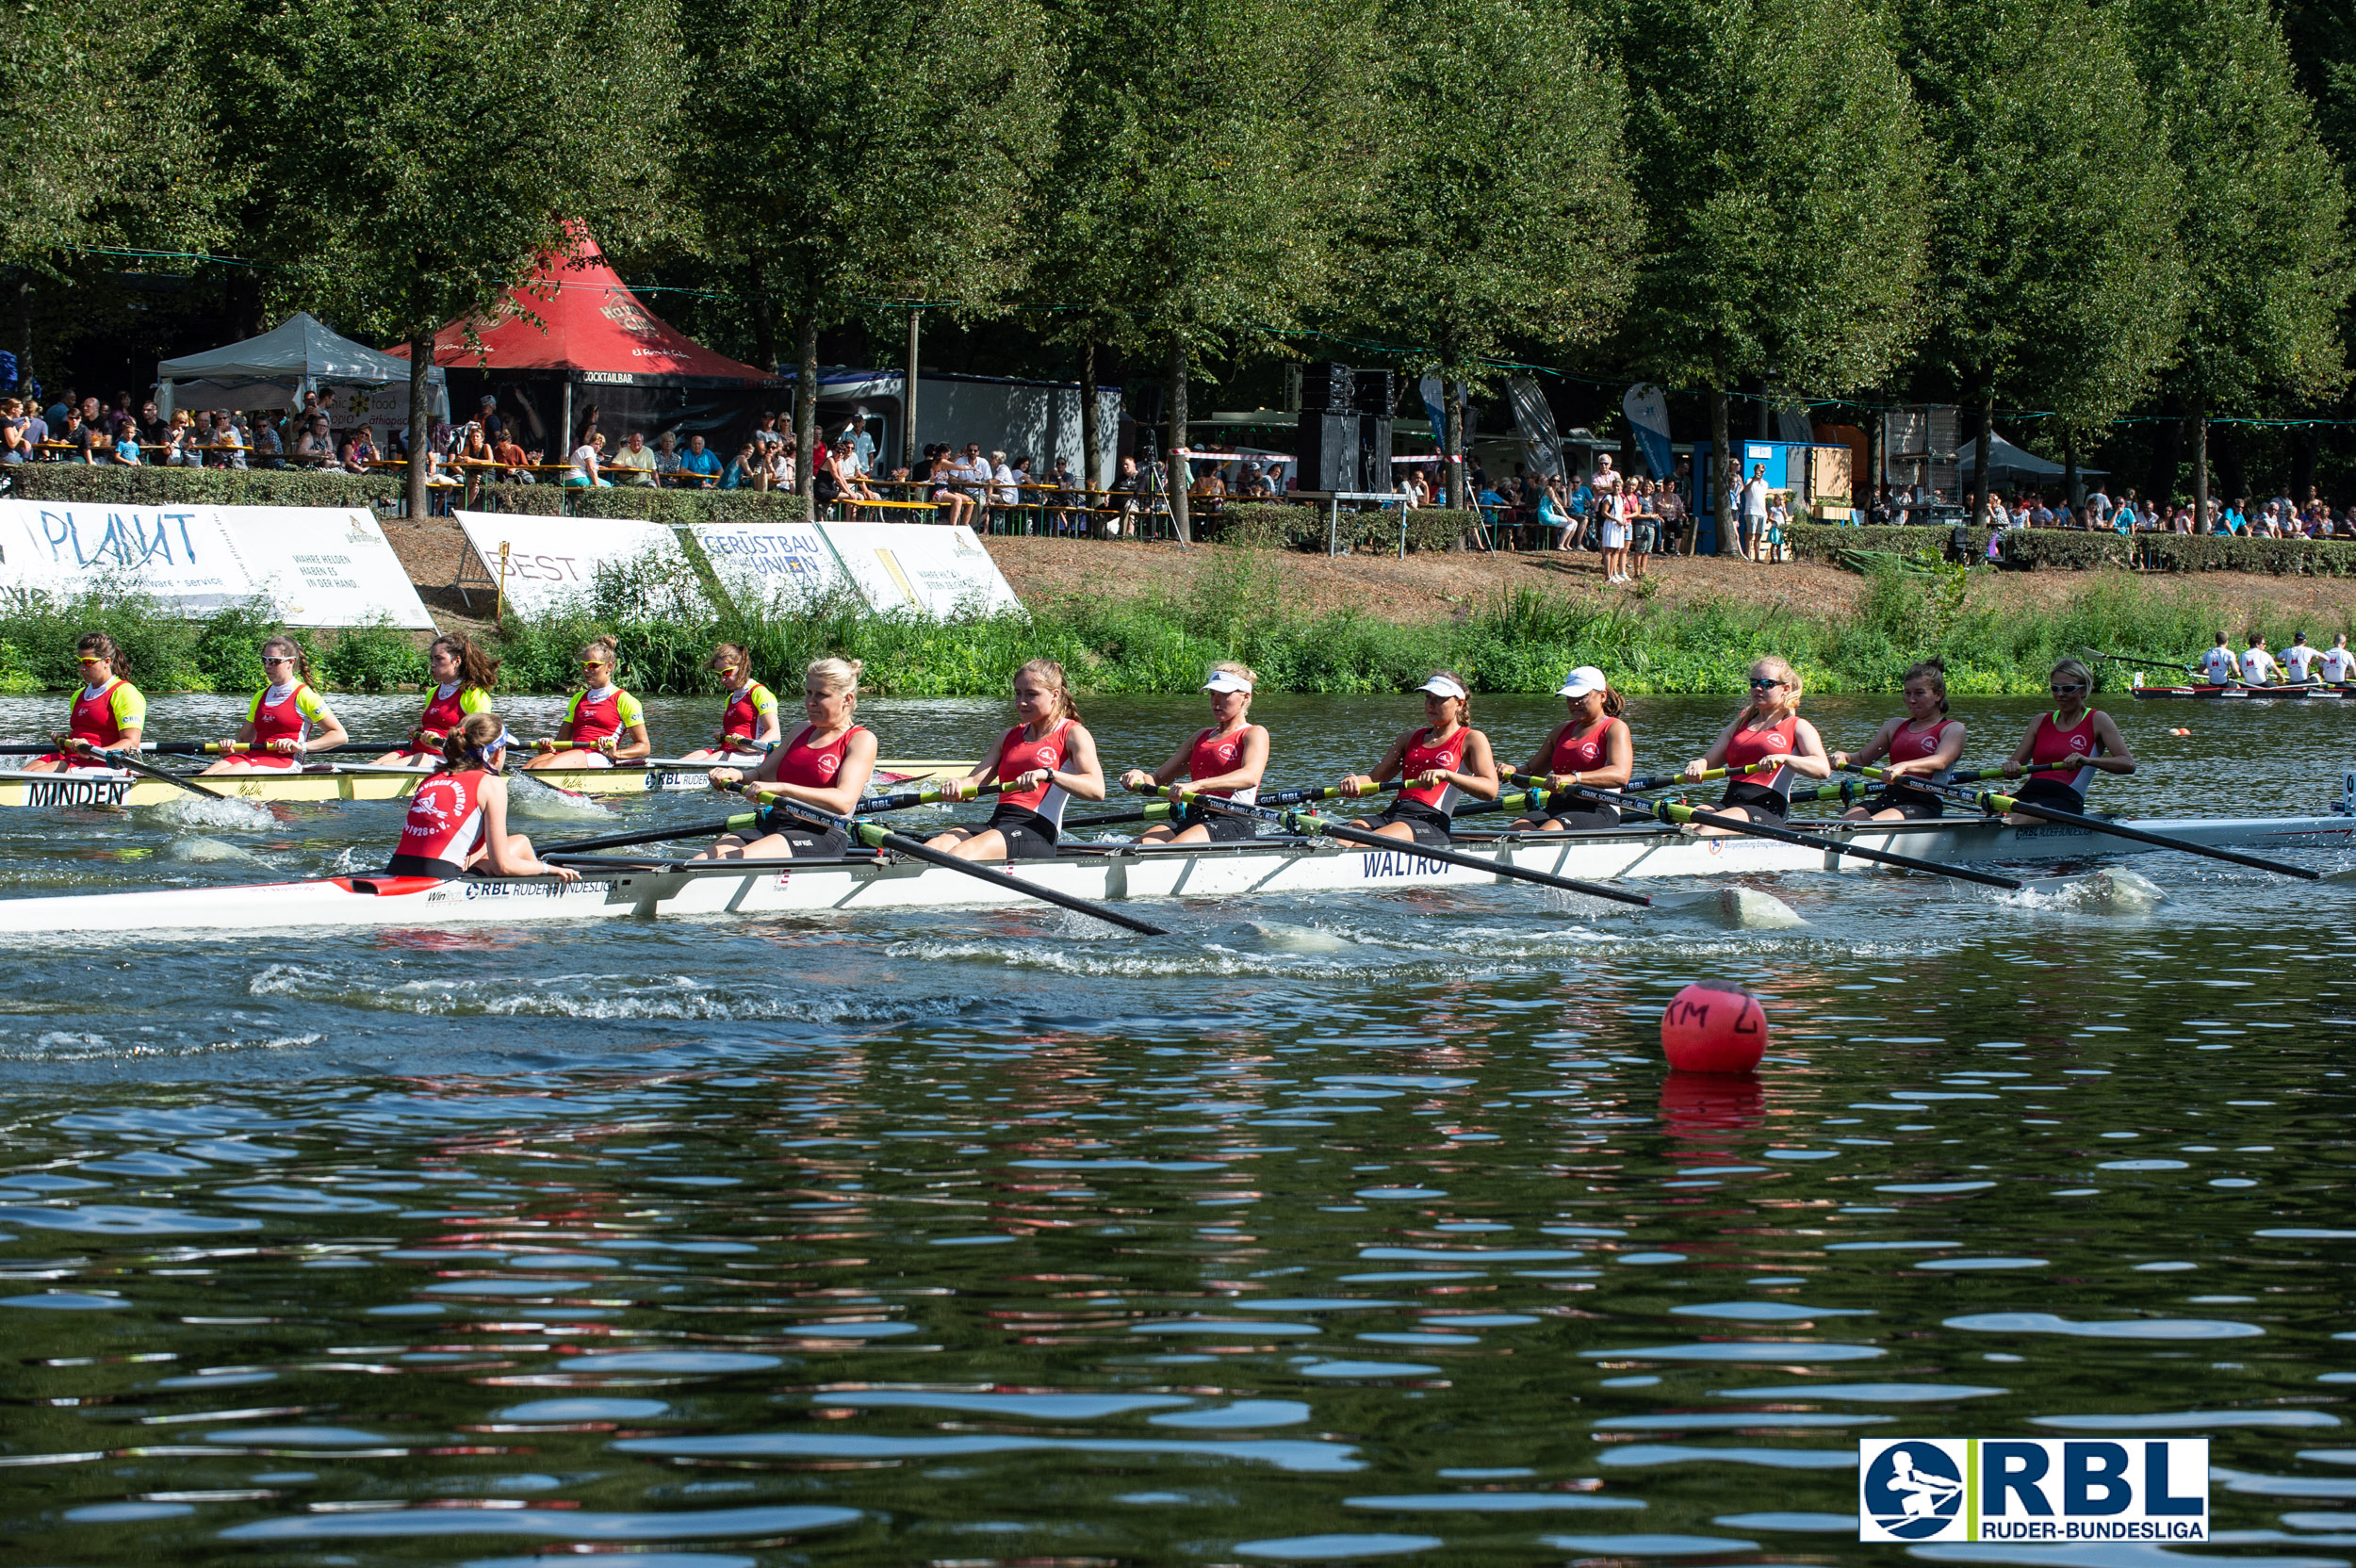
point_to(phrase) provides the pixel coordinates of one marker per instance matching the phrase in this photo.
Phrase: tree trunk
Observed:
(765, 321)
(908, 403)
(1089, 478)
(25, 334)
(1978, 515)
(806, 411)
(1181, 473)
(1721, 451)
(420, 422)
(2199, 468)
(2071, 487)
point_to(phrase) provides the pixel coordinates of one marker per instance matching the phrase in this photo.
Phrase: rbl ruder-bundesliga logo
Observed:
(2062, 1490)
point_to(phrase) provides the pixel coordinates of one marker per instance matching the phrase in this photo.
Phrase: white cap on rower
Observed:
(1444, 686)
(1226, 681)
(1582, 680)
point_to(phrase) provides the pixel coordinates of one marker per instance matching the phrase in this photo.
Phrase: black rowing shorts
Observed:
(2046, 791)
(1913, 804)
(418, 865)
(1569, 814)
(1757, 798)
(1223, 829)
(1028, 835)
(806, 839)
(1429, 825)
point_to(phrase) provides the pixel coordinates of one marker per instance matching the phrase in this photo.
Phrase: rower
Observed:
(457, 821)
(2339, 662)
(1226, 760)
(2218, 666)
(1926, 741)
(2065, 748)
(2257, 666)
(1592, 748)
(2299, 659)
(1769, 728)
(827, 764)
(602, 724)
(463, 676)
(1436, 763)
(1044, 762)
(278, 724)
(749, 725)
(109, 713)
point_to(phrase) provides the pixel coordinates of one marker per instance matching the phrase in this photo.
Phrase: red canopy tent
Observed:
(575, 324)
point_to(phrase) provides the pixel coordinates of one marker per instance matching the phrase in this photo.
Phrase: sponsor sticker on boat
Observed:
(2054, 1490)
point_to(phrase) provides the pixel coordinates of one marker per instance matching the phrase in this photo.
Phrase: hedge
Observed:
(1304, 528)
(2035, 550)
(94, 485)
(655, 505)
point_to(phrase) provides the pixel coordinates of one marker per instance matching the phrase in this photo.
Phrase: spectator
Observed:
(312, 447)
(584, 470)
(745, 472)
(13, 448)
(180, 444)
(475, 459)
(765, 435)
(1606, 480)
(1676, 523)
(784, 465)
(635, 460)
(36, 429)
(488, 419)
(232, 443)
(698, 468)
(1122, 500)
(666, 456)
(54, 416)
(922, 474)
(1754, 520)
(75, 436)
(126, 444)
(513, 464)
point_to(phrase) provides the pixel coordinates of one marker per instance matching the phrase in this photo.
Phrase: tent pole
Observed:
(908, 402)
(564, 422)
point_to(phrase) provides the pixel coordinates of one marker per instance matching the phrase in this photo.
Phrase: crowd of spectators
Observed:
(2282, 516)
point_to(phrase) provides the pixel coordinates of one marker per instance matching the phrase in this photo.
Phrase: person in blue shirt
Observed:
(742, 473)
(1582, 502)
(700, 466)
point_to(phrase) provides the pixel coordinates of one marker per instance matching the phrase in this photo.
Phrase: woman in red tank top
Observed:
(109, 713)
(1228, 760)
(827, 764)
(1769, 728)
(1926, 744)
(1591, 747)
(1047, 759)
(2065, 749)
(1445, 757)
(463, 676)
(457, 820)
(277, 728)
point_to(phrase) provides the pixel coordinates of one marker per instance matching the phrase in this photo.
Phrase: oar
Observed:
(652, 836)
(953, 791)
(876, 835)
(132, 764)
(1671, 811)
(1309, 821)
(1988, 800)
(2129, 659)
(1158, 811)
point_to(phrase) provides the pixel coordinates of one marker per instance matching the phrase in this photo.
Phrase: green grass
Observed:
(1236, 609)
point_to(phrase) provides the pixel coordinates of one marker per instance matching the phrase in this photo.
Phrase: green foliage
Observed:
(366, 658)
(102, 485)
(1270, 526)
(2064, 549)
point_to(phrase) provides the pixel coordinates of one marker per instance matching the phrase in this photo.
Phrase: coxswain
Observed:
(1592, 748)
(1226, 760)
(277, 728)
(2065, 748)
(1045, 761)
(827, 764)
(108, 712)
(463, 678)
(2218, 666)
(2299, 659)
(1926, 744)
(604, 723)
(1769, 729)
(2258, 668)
(1436, 763)
(2339, 662)
(457, 820)
(749, 725)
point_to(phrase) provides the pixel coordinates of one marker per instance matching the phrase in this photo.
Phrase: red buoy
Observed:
(1714, 1026)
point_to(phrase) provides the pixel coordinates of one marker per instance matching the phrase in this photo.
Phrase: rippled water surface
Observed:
(1325, 1230)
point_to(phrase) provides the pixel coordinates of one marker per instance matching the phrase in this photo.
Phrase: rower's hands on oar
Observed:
(1358, 784)
(1137, 781)
(1030, 780)
(2010, 770)
(544, 745)
(1696, 769)
(1840, 760)
(1557, 781)
(723, 778)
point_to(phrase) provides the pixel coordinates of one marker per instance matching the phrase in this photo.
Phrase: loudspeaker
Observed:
(1327, 387)
(1374, 453)
(1328, 450)
(1374, 392)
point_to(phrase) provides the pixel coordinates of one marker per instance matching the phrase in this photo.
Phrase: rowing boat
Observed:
(2262, 694)
(1108, 872)
(83, 787)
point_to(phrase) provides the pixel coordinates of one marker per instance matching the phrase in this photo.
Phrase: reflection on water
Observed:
(1324, 1231)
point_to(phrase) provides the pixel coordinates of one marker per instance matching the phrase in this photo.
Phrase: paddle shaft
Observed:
(1670, 811)
(132, 764)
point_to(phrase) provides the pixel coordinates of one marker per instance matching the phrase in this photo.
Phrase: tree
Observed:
(2260, 219)
(1204, 151)
(2054, 272)
(851, 148)
(419, 160)
(1504, 211)
(1780, 166)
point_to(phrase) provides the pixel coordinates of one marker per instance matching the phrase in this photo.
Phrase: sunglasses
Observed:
(269, 662)
(2065, 691)
(1766, 685)
(591, 664)
(89, 661)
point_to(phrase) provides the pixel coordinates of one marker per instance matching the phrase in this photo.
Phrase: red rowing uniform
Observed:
(1423, 755)
(1579, 753)
(101, 716)
(446, 818)
(444, 712)
(1911, 745)
(1215, 754)
(1018, 756)
(741, 720)
(2049, 743)
(1779, 739)
(815, 767)
(281, 714)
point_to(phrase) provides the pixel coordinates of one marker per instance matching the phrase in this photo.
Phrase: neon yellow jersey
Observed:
(307, 703)
(117, 705)
(595, 719)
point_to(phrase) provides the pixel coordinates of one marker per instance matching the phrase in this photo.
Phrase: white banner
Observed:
(317, 567)
(553, 562)
(936, 571)
(771, 563)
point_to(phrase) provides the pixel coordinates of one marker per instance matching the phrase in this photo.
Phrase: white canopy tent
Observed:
(298, 355)
(2011, 464)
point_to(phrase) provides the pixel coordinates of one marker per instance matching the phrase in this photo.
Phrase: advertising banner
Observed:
(554, 561)
(938, 572)
(772, 564)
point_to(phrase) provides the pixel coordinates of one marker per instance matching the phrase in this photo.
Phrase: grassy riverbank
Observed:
(1160, 641)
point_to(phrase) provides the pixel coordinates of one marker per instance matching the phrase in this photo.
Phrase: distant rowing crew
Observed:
(2255, 666)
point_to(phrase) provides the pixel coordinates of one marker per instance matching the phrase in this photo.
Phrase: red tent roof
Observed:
(588, 320)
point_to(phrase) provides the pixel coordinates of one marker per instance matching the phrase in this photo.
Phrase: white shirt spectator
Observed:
(2098, 507)
(1003, 477)
(1755, 499)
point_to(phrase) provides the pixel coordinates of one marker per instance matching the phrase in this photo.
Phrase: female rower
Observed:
(602, 725)
(1044, 761)
(464, 675)
(1926, 741)
(2065, 748)
(828, 766)
(1442, 758)
(1769, 728)
(108, 712)
(278, 725)
(1591, 747)
(1226, 760)
(458, 817)
(748, 726)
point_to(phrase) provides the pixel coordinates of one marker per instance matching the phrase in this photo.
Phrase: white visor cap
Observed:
(1582, 680)
(1444, 686)
(1226, 681)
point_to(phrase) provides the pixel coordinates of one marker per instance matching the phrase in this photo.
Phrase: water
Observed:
(1327, 1229)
